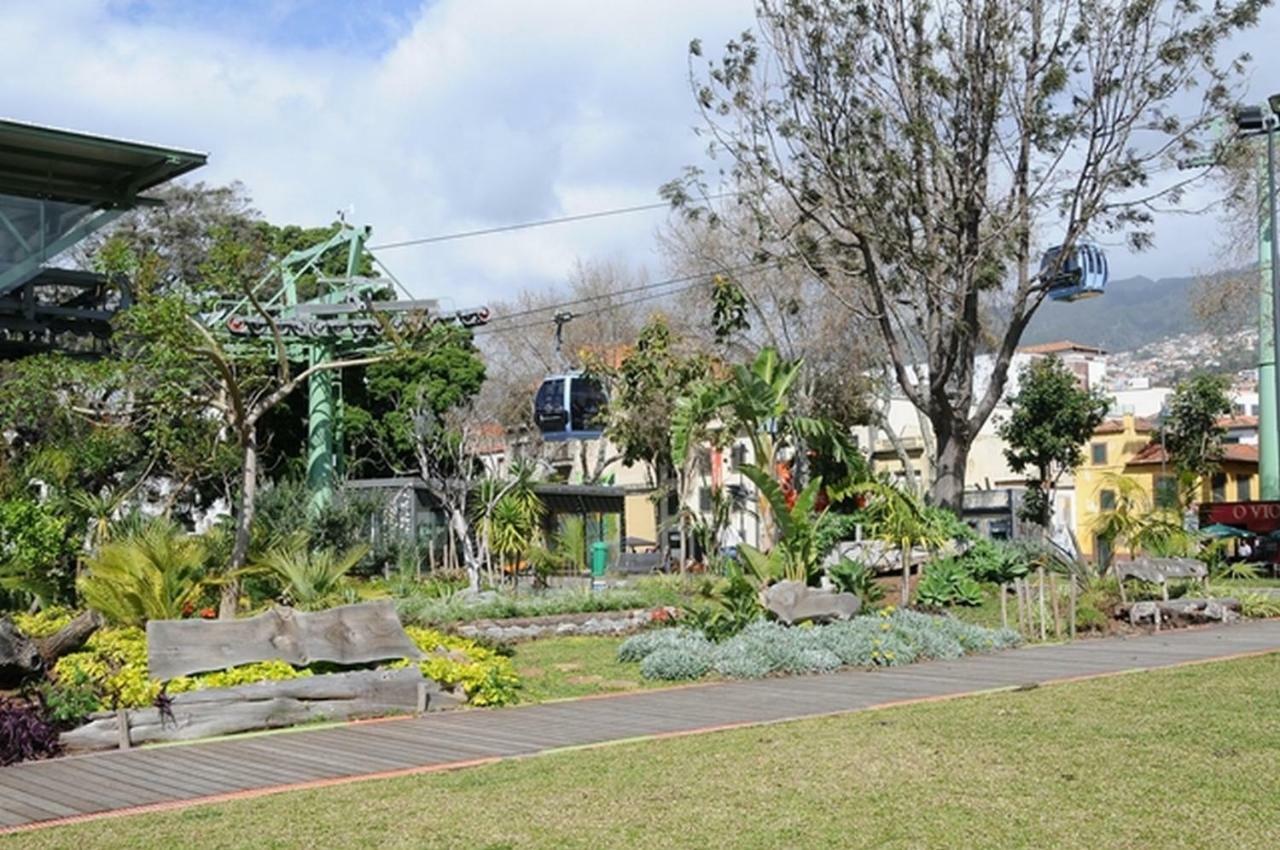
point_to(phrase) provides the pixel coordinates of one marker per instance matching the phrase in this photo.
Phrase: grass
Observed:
(562, 667)
(1180, 758)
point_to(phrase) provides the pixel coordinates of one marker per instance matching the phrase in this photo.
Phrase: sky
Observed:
(424, 118)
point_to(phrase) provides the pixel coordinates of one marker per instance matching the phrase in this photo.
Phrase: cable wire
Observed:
(525, 225)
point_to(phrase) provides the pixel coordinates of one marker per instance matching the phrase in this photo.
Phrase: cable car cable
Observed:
(746, 268)
(525, 225)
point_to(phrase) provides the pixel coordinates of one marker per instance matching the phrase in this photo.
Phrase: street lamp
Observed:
(1258, 121)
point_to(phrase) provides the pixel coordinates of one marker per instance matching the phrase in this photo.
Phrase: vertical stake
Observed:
(122, 728)
(1071, 624)
(1057, 612)
(1004, 605)
(1040, 592)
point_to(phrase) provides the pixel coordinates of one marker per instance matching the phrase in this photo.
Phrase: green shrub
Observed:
(486, 677)
(995, 562)
(851, 577)
(155, 575)
(1237, 570)
(43, 623)
(727, 606)
(947, 582)
(431, 610)
(310, 579)
(1259, 605)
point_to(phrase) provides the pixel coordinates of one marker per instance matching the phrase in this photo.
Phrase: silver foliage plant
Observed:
(887, 639)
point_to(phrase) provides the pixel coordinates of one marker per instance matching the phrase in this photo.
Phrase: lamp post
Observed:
(1265, 121)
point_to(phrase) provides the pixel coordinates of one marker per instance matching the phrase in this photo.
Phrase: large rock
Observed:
(19, 657)
(794, 602)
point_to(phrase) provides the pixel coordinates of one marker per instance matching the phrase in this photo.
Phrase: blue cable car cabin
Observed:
(1082, 274)
(568, 407)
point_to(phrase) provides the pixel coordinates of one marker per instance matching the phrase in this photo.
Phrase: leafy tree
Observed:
(35, 551)
(1052, 418)
(205, 372)
(644, 392)
(909, 152)
(441, 370)
(1190, 430)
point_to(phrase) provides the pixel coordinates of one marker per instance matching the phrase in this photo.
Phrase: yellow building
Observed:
(1125, 447)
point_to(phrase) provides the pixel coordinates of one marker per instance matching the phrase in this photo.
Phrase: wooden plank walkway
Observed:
(69, 789)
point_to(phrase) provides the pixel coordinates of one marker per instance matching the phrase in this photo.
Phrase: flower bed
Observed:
(887, 639)
(111, 672)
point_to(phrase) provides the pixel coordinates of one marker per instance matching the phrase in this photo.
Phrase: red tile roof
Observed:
(1231, 452)
(1059, 347)
(1237, 422)
(1116, 426)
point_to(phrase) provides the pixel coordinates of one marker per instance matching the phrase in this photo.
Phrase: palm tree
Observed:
(310, 579)
(157, 574)
(901, 518)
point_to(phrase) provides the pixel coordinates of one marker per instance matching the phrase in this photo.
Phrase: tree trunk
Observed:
(662, 477)
(906, 576)
(69, 638)
(947, 489)
(458, 525)
(230, 601)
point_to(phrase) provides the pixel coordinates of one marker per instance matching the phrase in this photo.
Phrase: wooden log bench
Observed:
(365, 633)
(1160, 570)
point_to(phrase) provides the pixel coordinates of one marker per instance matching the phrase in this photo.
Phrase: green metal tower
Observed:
(1268, 415)
(349, 317)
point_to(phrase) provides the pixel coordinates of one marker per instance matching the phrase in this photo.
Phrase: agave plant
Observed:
(310, 579)
(155, 574)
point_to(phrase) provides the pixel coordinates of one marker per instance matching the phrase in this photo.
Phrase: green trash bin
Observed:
(599, 563)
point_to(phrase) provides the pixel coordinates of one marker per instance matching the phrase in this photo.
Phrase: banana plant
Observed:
(796, 554)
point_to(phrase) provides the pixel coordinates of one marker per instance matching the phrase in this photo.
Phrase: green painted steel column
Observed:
(321, 421)
(1268, 418)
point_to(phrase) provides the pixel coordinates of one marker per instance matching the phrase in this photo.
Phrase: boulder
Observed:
(794, 602)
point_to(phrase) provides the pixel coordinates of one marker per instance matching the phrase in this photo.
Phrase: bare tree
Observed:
(921, 148)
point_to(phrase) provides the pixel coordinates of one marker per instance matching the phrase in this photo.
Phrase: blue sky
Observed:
(423, 118)
(364, 27)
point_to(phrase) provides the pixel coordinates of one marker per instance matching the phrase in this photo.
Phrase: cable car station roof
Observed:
(43, 162)
(58, 187)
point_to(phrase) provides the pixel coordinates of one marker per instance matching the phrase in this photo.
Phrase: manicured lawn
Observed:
(557, 668)
(1181, 758)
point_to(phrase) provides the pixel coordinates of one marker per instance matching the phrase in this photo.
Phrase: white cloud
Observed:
(483, 112)
(480, 112)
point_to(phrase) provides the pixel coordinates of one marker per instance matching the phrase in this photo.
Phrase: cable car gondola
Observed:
(568, 407)
(1082, 274)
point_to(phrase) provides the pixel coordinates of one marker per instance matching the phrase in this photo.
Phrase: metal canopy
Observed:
(43, 162)
(581, 498)
(57, 188)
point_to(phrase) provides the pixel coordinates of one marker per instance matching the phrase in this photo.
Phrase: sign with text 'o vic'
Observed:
(1258, 517)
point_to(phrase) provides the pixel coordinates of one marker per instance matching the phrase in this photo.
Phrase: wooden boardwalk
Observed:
(68, 789)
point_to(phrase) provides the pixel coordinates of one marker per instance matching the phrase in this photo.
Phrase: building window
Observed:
(1107, 500)
(1219, 484)
(1242, 488)
(704, 499)
(1098, 453)
(1166, 491)
(737, 456)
